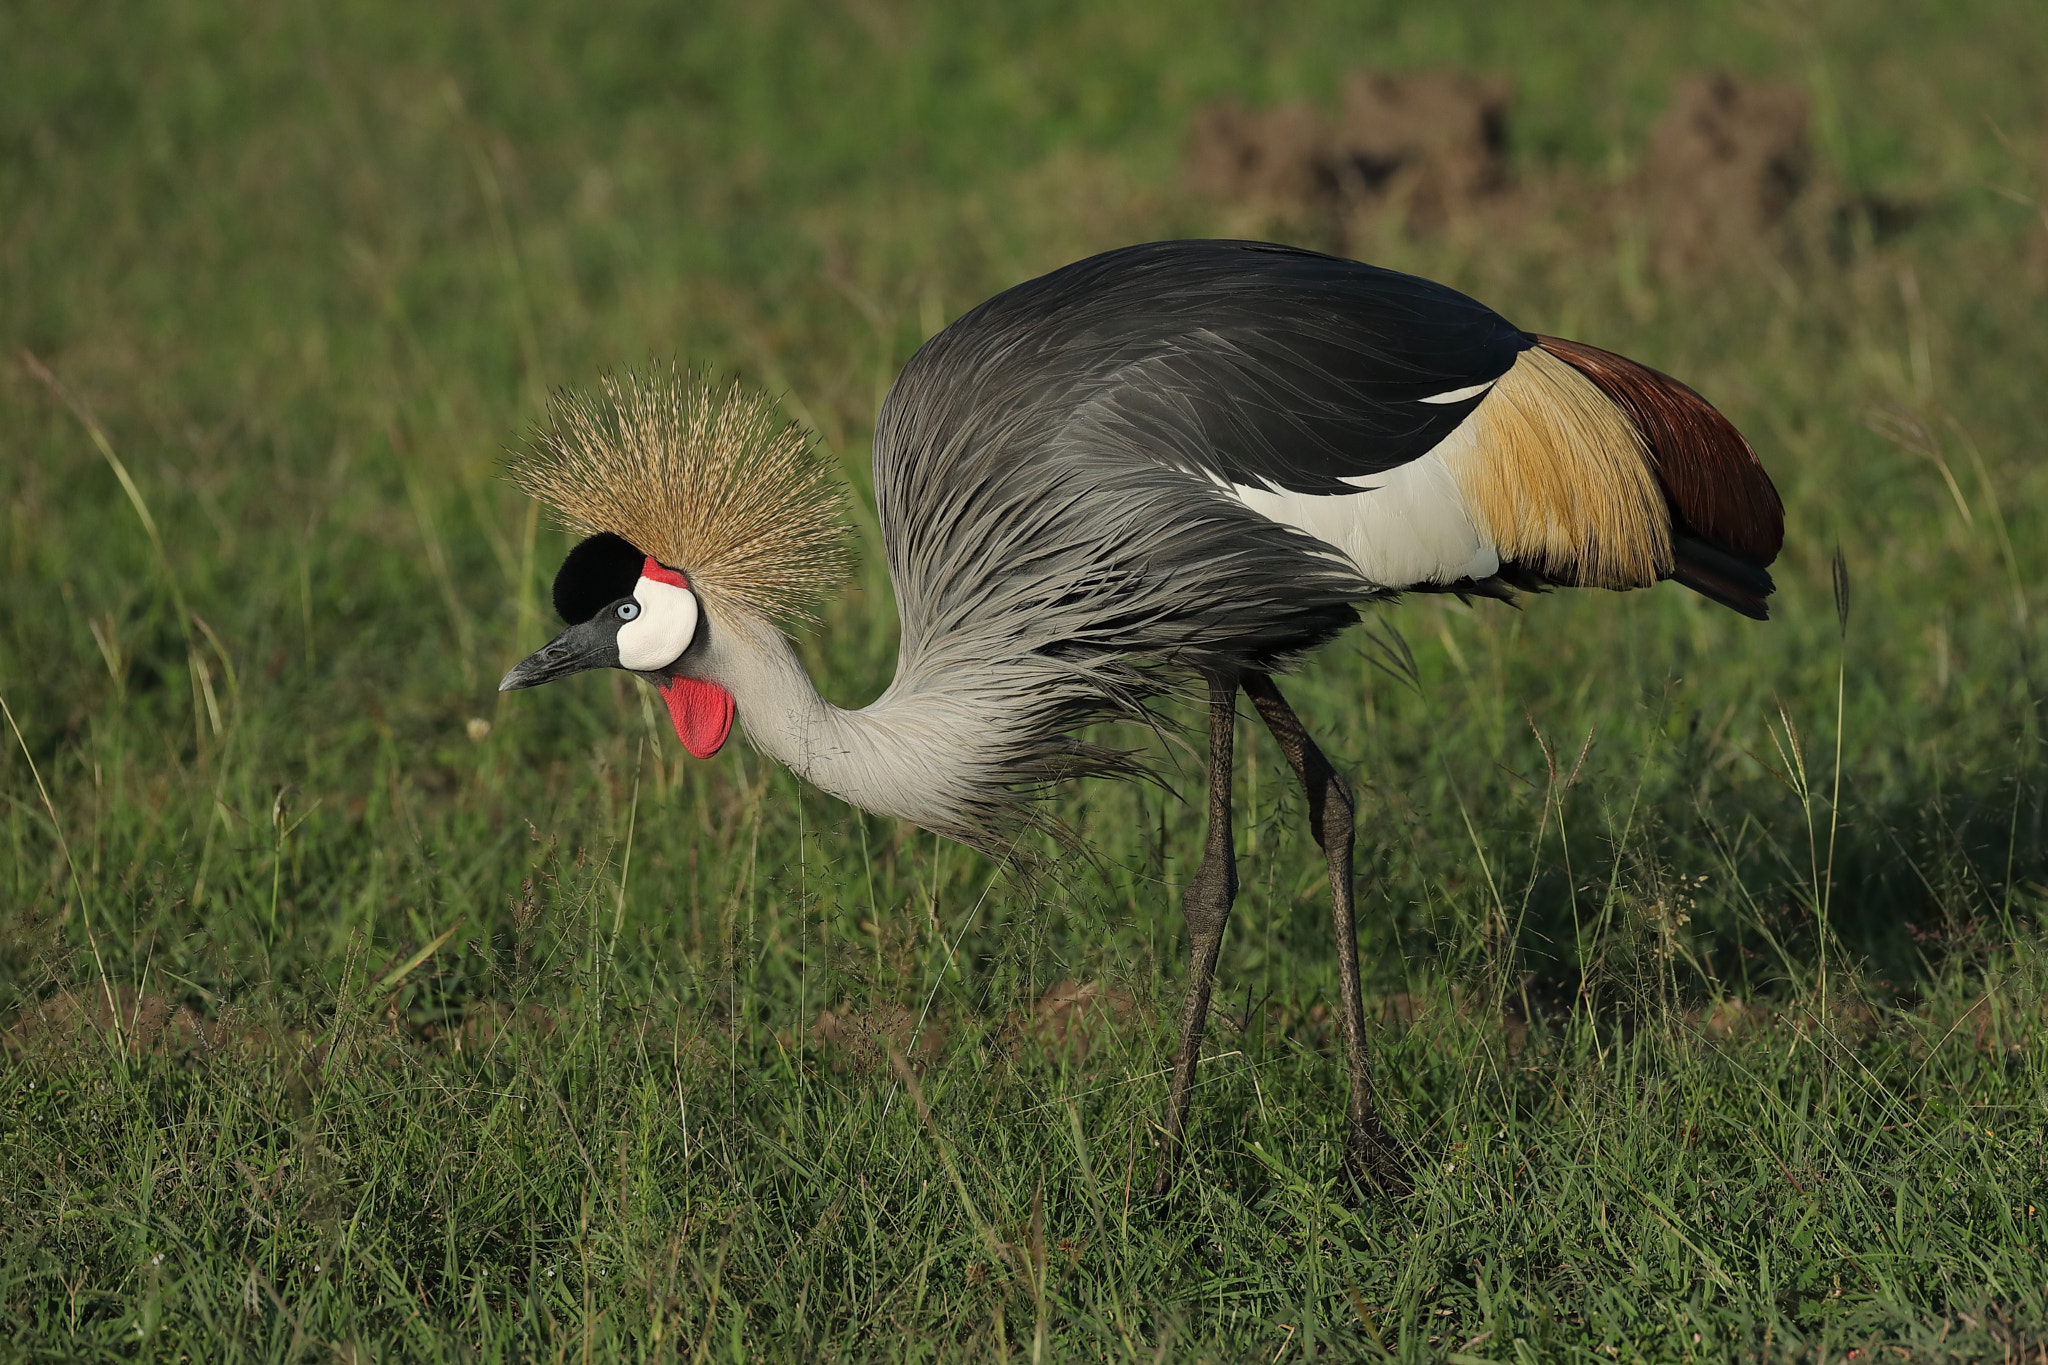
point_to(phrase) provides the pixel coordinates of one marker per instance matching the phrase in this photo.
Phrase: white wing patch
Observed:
(1458, 395)
(661, 632)
(1407, 526)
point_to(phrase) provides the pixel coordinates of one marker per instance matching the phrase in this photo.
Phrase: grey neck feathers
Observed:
(904, 755)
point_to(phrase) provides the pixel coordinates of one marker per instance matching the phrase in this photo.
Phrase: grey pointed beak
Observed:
(587, 645)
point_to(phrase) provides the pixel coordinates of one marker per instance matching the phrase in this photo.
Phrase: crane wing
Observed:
(1256, 365)
(1202, 450)
(1393, 418)
(1194, 457)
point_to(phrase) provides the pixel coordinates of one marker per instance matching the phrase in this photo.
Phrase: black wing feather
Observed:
(1256, 363)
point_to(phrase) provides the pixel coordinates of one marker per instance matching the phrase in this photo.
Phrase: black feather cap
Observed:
(597, 573)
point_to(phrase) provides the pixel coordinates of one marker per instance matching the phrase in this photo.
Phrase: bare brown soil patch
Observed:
(1723, 167)
(1725, 171)
(1434, 142)
(860, 1040)
(1073, 1019)
(141, 1023)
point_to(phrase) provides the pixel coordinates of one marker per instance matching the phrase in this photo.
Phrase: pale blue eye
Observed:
(628, 610)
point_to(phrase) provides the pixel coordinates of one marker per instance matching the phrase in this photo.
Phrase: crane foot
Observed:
(1377, 1163)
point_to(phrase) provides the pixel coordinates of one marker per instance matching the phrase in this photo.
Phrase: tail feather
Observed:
(1728, 522)
(1735, 582)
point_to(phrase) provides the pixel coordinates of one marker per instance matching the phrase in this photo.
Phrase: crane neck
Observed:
(898, 756)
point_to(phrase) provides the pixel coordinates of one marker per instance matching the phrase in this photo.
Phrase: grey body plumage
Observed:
(1049, 580)
(1049, 472)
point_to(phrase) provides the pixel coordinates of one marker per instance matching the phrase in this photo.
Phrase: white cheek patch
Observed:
(664, 628)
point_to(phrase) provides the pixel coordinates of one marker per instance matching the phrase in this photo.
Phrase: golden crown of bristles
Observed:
(705, 476)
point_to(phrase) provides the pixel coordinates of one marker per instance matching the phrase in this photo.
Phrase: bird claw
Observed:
(1376, 1163)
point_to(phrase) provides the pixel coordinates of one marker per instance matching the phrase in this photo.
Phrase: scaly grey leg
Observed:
(1372, 1155)
(1207, 907)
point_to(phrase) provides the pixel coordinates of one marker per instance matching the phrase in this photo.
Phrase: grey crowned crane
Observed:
(1169, 463)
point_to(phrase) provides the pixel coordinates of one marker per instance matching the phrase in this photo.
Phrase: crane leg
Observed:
(1206, 904)
(1372, 1155)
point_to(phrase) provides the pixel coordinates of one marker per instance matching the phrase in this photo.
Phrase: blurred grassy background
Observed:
(307, 271)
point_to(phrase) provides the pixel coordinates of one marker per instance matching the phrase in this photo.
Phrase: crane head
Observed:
(625, 609)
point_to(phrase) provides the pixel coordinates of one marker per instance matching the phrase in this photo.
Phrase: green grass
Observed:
(512, 1040)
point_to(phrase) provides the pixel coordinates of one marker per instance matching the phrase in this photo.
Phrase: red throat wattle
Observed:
(702, 713)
